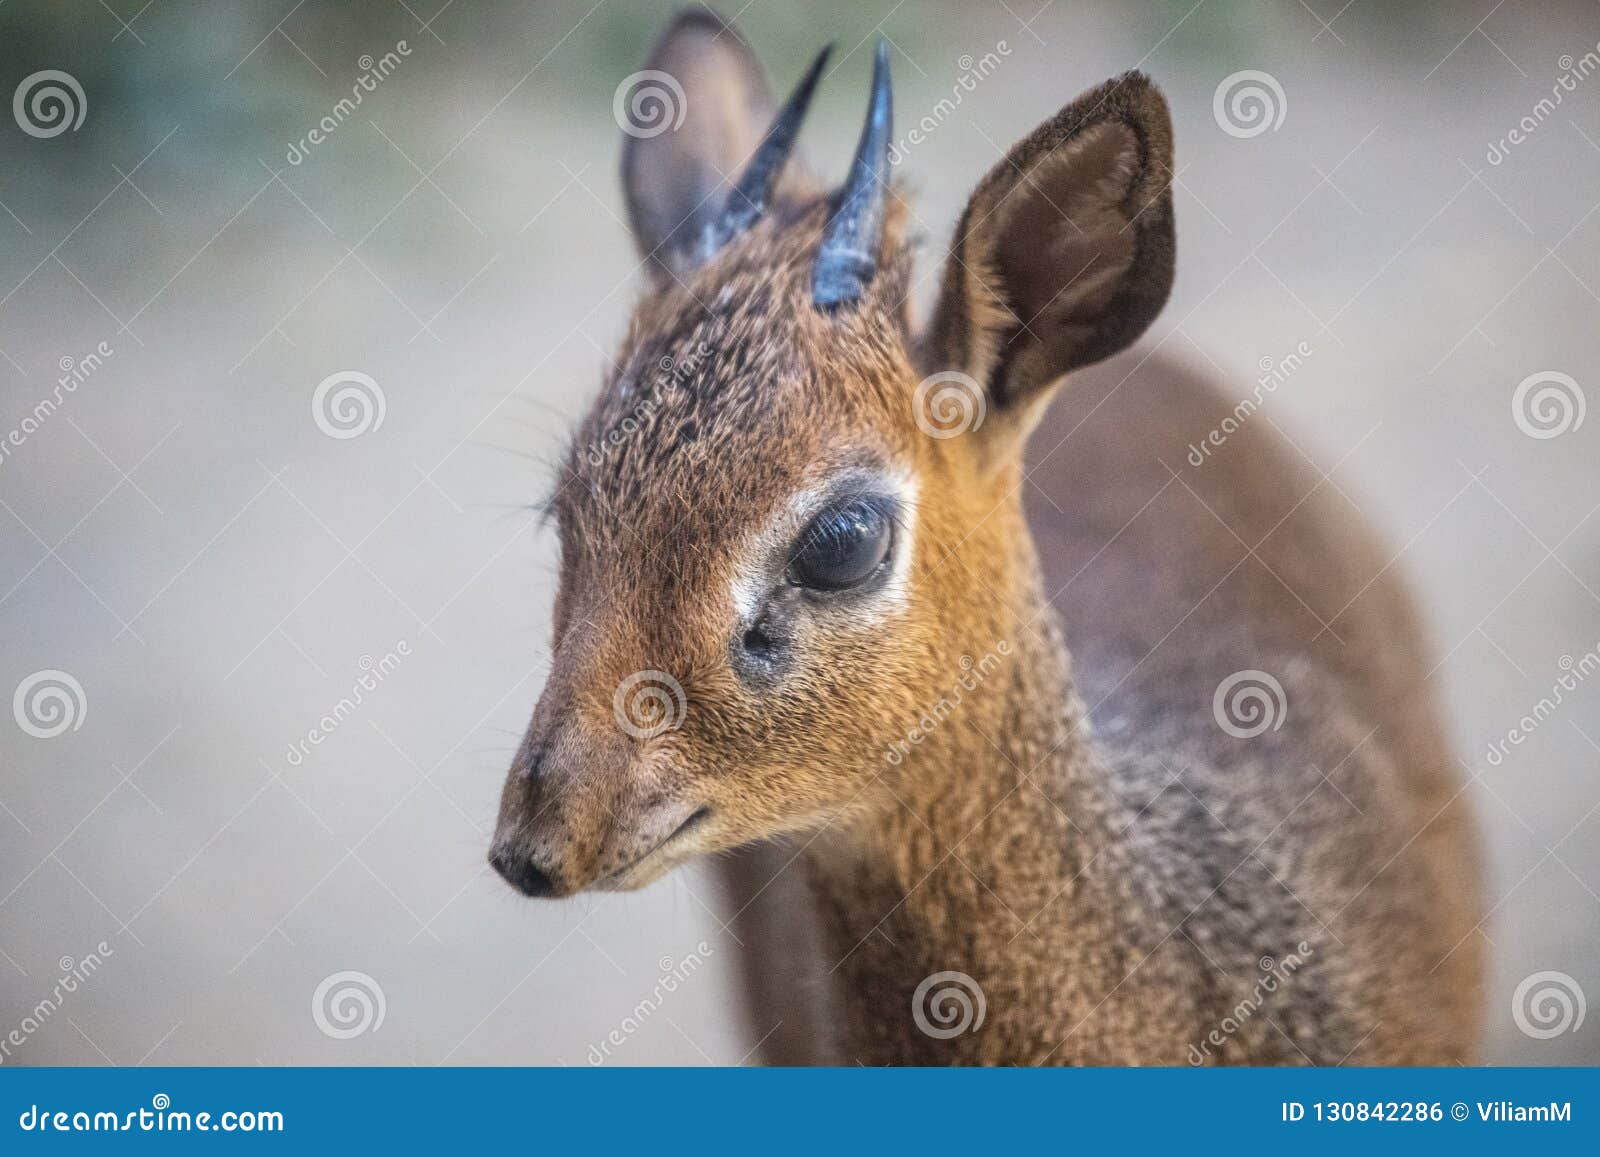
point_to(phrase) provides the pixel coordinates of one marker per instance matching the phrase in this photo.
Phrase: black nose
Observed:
(522, 873)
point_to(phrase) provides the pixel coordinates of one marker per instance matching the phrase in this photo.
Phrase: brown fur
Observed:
(1080, 838)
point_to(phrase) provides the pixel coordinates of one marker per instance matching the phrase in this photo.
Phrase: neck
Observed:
(990, 842)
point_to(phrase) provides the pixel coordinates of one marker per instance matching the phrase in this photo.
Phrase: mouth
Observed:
(627, 875)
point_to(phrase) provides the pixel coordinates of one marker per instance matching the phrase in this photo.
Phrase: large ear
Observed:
(692, 119)
(1065, 252)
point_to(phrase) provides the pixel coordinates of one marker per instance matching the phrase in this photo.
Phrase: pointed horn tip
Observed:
(880, 98)
(747, 200)
(813, 72)
(847, 261)
(799, 99)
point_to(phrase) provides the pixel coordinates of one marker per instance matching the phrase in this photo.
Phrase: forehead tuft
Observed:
(728, 378)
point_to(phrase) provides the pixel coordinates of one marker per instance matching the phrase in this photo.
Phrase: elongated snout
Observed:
(548, 816)
(587, 806)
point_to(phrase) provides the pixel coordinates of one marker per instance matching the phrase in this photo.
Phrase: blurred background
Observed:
(274, 607)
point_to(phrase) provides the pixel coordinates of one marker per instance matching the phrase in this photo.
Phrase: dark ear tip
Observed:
(1132, 99)
(1140, 94)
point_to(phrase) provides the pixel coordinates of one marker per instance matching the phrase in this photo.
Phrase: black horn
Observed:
(849, 254)
(747, 201)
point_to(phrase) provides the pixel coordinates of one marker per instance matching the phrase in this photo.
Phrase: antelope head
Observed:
(790, 514)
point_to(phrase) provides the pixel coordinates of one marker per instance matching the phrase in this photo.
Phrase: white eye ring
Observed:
(763, 558)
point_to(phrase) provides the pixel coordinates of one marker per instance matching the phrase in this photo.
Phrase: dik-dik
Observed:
(1095, 756)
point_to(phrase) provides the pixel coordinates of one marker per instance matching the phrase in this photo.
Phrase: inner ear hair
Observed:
(1064, 254)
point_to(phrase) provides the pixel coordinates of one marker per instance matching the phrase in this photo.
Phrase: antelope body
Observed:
(949, 842)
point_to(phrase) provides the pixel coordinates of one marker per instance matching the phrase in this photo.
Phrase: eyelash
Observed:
(833, 529)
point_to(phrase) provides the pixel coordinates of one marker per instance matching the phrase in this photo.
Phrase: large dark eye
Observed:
(844, 545)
